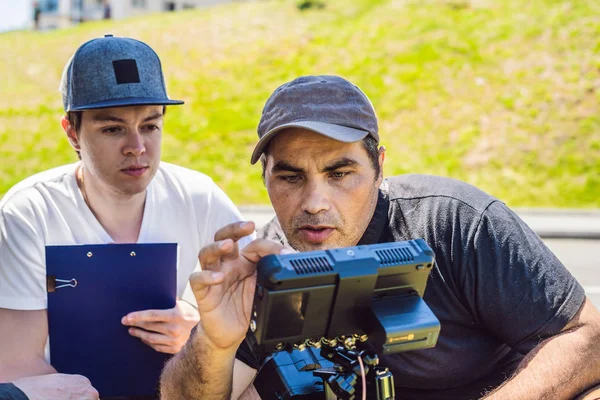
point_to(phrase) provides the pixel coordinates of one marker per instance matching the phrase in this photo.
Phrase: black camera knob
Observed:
(260, 291)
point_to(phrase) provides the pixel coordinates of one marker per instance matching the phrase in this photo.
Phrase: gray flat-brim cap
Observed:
(325, 104)
(113, 72)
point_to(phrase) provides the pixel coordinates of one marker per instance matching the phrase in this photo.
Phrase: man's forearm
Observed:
(558, 368)
(198, 371)
(10, 371)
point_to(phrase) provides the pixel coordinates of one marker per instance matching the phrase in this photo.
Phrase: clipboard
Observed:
(90, 288)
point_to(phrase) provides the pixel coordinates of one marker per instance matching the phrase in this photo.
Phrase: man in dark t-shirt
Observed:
(496, 289)
(514, 323)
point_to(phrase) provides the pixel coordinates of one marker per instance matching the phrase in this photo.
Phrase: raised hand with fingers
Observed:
(224, 289)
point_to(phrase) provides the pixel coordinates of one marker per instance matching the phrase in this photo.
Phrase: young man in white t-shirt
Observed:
(119, 192)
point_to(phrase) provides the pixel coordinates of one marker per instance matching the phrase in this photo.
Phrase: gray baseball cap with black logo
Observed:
(113, 72)
(324, 104)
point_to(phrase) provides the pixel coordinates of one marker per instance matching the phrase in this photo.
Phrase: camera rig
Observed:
(350, 303)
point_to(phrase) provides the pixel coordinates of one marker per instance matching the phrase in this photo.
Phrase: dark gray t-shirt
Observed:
(496, 288)
(8, 391)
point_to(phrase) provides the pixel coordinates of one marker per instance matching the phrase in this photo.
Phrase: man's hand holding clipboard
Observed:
(163, 330)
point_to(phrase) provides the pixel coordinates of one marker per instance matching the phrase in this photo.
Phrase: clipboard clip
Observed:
(53, 283)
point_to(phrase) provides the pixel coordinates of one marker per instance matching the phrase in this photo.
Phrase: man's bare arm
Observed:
(250, 394)
(560, 367)
(199, 372)
(57, 387)
(22, 340)
(224, 292)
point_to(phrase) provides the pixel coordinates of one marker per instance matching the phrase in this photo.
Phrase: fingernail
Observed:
(287, 250)
(217, 275)
(124, 320)
(245, 224)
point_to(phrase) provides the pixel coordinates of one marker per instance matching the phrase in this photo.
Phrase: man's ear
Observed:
(71, 133)
(381, 159)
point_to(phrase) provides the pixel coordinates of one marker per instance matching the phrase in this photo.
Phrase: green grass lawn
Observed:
(502, 94)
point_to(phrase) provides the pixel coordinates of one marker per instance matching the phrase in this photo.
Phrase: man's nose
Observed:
(135, 144)
(315, 198)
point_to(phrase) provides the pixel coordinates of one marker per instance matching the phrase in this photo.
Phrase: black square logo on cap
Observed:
(126, 71)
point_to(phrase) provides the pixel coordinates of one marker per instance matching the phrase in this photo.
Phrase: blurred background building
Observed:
(54, 14)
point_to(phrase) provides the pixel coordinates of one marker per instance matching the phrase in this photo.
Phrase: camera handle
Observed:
(340, 381)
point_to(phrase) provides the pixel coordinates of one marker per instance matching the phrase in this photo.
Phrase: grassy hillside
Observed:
(502, 94)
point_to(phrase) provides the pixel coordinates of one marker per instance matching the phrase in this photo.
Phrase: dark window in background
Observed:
(169, 6)
(49, 5)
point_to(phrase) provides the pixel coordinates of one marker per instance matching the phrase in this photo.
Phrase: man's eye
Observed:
(112, 130)
(339, 175)
(151, 128)
(290, 178)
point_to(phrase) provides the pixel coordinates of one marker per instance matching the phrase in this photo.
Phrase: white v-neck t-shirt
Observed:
(182, 206)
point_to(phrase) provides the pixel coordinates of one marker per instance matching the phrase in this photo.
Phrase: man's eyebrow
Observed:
(282, 166)
(153, 116)
(107, 118)
(341, 163)
(113, 118)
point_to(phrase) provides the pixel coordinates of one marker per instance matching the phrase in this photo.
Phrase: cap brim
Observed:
(128, 101)
(335, 132)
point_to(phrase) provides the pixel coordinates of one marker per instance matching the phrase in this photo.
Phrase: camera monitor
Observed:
(371, 291)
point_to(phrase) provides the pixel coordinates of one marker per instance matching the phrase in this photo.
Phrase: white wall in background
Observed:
(15, 15)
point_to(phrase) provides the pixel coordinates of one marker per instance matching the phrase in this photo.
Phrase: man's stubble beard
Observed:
(315, 219)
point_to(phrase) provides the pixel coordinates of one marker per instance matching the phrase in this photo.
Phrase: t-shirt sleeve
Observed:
(522, 293)
(224, 212)
(8, 391)
(22, 258)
